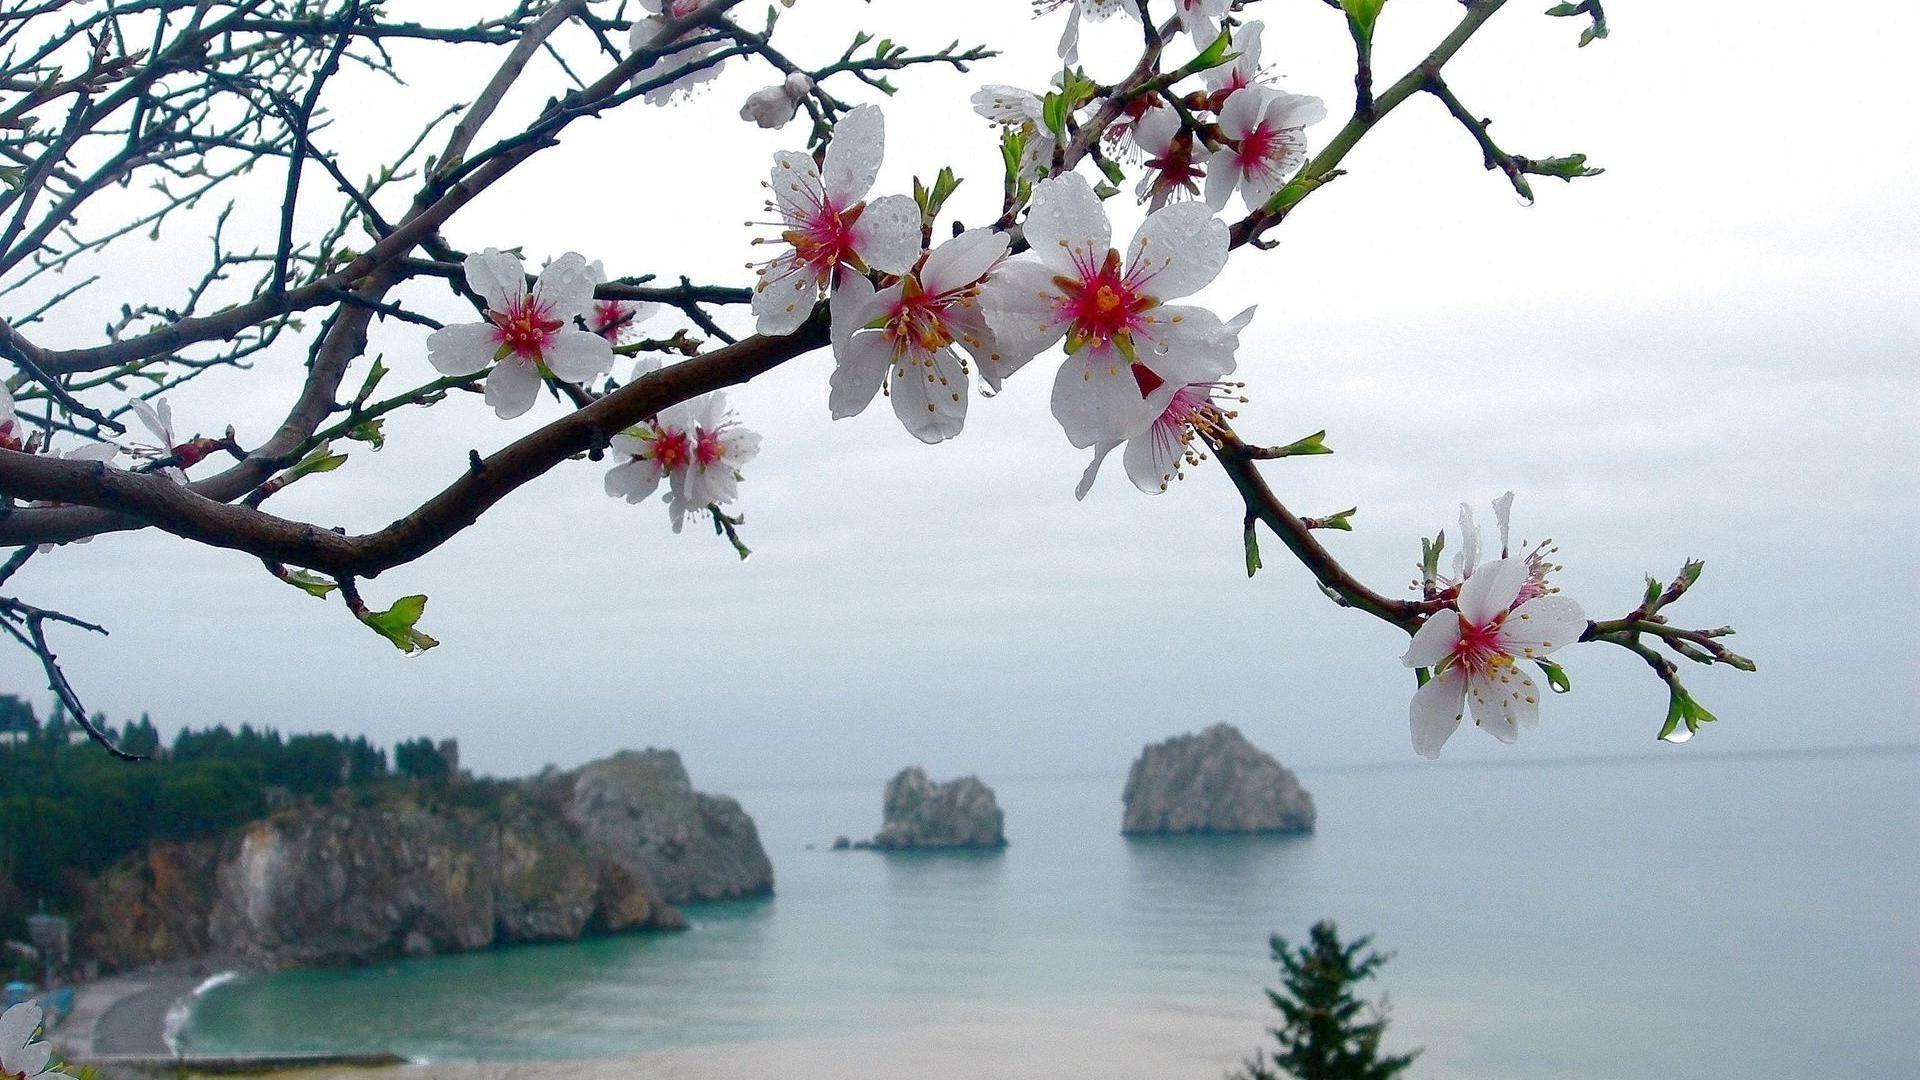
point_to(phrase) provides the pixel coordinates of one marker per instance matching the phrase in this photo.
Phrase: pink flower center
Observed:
(611, 319)
(1101, 305)
(1479, 646)
(822, 238)
(10, 436)
(671, 450)
(707, 448)
(526, 328)
(915, 320)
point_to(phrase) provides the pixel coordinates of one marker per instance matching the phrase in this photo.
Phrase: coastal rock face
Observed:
(1213, 782)
(919, 813)
(640, 806)
(415, 872)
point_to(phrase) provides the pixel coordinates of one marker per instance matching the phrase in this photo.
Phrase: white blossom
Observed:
(616, 320)
(721, 446)
(1094, 10)
(903, 336)
(826, 225)
(1474, 654)
(157, 418)
(524, 332)
(774, 106)
(1201, 19)
(1153, 458)
(1128, 353)
(1267, 143)
(1024, 113)
(647, 30)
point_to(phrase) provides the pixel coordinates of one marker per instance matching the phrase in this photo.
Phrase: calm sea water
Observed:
(1686, 918)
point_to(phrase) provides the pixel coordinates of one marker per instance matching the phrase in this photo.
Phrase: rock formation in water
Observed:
(425, 869)
(640, 806)
(1212, 782)
(918, 813)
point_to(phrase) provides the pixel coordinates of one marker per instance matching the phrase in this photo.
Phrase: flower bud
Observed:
(773, 106)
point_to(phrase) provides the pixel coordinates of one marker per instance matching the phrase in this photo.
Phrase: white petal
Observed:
(1186, 345)
(1435, 639)
(1178, 250)
(1492, 590)
(852, 307)
(930, 394)
(93, 452)
(498, 277)
(1242, 112)
(963, 260)
(565, 287)
(796, 186)
(1542, 625)
(1096, 398)
(853, 157)
(1435, 712)
(1069, 47)
(461, 349)
(1503, 513)
(1067, 223)
(1285, 110)
(17, 1026)
(633, 480)
(784, 297)
(151, 419)
(1100, 452)
(1152, 458)
(861, 368)
(1467, 559)
(1223, 175)
(1504, 700)
(512, 387)
(1022, 306)
(1155, 130)
(887, 236)
(6, 403)
(575, 356)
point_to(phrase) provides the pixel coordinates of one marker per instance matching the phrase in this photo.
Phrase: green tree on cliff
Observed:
(1327, 1033)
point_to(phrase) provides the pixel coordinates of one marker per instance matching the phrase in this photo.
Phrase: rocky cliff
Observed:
(641, 807)
(918, 813)
(422, 869)
(1212, 782)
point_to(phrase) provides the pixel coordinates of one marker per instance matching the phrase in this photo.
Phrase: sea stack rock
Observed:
(640, 805)
(1213, 782)
(921, 814)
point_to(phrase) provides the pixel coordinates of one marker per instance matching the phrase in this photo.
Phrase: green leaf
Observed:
(1054, 112)
(374, 376)
(1362, 14)
(396, 624)
(1683, 710)
(310, 583)
(1213, 56)
(321, 460)
(1653, 594)
(14, 176)
(1556, 676)
(371, 432)
(1254, 565)
(1341, 522)
(1569, 168)
(1315, 443)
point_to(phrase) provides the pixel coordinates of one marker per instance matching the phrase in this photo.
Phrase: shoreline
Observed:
(133, 1014)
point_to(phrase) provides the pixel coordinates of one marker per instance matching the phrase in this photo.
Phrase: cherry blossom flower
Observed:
(158, 419)
(647, 30)
(616, 320)
(529, 334)
(908, 330)
(1153, 457)
(1201, 19)
(1172, 170)
(1225, 81)
(21, 1056)
(828, 226)
(659, 449)
(1474, 653)
(1024, 113)
(721, 446)
(774, 106)
(1266, 132)
(10, 436)
(1094, 10)
(1127, 353)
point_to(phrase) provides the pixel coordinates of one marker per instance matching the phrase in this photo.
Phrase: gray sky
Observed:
(1707, 351)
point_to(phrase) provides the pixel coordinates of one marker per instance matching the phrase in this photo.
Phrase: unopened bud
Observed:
(773, 106)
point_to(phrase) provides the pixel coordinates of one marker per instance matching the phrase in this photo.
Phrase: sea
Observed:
(1689, 916)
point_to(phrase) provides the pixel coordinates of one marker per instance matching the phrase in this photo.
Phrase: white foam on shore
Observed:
(177, 1014)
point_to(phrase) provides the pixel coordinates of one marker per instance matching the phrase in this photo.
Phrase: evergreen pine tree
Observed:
(1326, 1033)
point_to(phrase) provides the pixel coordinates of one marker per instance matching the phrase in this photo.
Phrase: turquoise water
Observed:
(1685, 918)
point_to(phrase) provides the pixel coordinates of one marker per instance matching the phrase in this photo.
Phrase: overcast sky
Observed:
(1708, 351)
